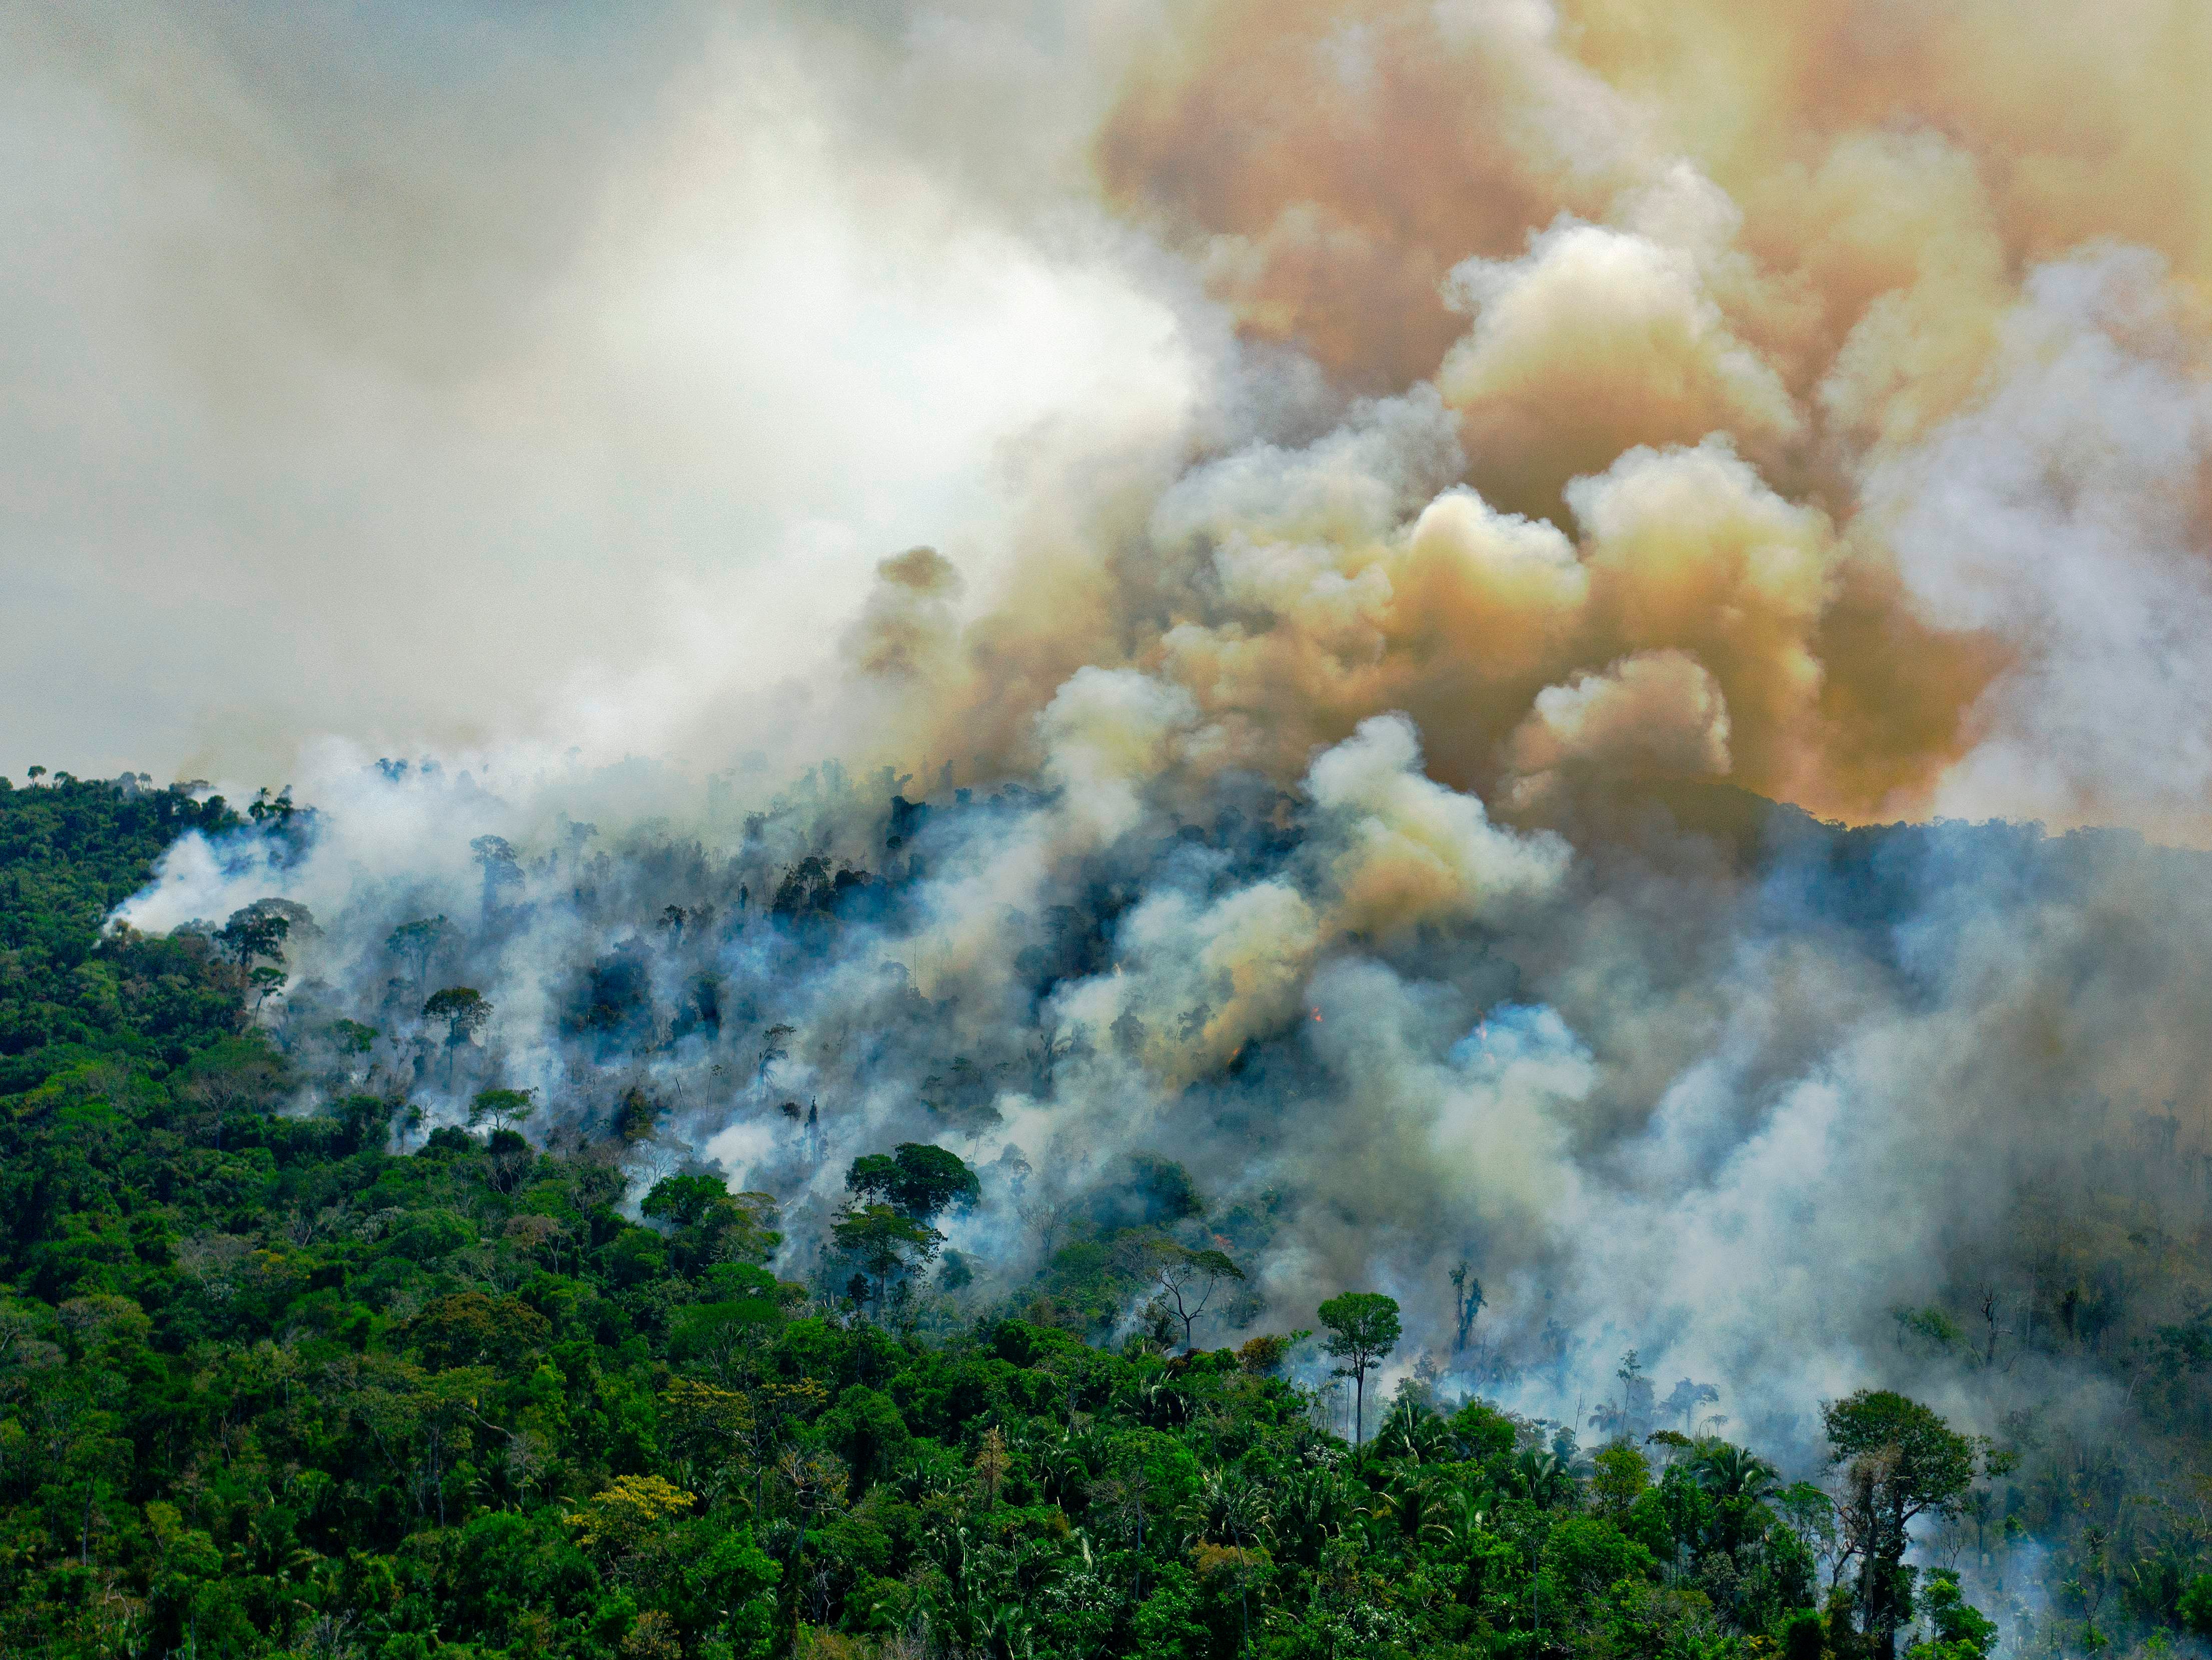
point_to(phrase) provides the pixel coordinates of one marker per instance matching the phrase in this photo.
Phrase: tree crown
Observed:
(463, 1008)
(1362, 1327)
(916, 1179)
(1931, 1465)
(500, 1108)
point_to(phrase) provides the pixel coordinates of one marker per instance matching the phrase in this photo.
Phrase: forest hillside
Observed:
(281, 1373)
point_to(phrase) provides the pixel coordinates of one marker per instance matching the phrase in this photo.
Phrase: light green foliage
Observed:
(500, 1108)
(1621, 1477)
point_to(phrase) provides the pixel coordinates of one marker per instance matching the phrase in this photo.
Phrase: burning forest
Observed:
(1304, 829)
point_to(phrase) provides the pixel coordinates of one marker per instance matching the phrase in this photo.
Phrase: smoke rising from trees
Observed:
(1488, 445)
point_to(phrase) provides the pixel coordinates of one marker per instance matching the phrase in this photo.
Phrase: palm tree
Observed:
(1064, 1461)
(1466, 1521)
(1004, 1629)
(1412, 1511)
(1728, 1472)
(1416, 1435)
(1687, 1397)
(1159, 1402)
(1309, 1511)
(1542, 1478)
(1122, 1498)
(1739, 1483)
(1228, 1509)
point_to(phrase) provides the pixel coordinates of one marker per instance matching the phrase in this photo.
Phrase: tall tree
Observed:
(1687, 1398)
(1899, 1461)
(884, 1244)
(465, 1010)
(231, 1076)
(501, 869)
(1466, 1303)
(250, 932)
(1362, 1329)
(500, 1108)
(415, 943)
(772, 1049)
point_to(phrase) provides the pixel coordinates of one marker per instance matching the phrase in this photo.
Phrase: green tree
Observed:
(2195, 1605)
(252, 932)
(1466, 1303)
(710, 1224)
(883, 1244)
(1621, 1477)
(464, 1011)
(416, 943)
(228, 1078)
(501, 869)
(686, 1199)
(1899, 1461)
(1962, 1631)
(500, 1108)
(353, 1040)
(265, 982)
(918, 1180)
(1739, 1482)
(1362, 1329)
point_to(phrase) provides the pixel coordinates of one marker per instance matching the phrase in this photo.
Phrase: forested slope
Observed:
(270, 1383)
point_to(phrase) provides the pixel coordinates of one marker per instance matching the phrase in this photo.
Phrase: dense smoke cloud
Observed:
(1817, 231)
(471, 375)
(1331, 767)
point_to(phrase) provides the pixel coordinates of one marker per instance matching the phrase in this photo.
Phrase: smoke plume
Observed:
(1393, 495)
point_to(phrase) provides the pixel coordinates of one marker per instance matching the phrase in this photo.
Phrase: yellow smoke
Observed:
(1644, 290)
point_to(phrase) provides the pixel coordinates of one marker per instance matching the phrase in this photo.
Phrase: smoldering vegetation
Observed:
(1387, 831)
(1785, 1107)
(1563, 438)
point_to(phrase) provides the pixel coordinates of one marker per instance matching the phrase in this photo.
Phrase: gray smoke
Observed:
(1362, 582)
(1728, 1102)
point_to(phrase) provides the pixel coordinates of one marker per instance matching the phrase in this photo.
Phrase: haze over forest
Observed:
(1550, 659)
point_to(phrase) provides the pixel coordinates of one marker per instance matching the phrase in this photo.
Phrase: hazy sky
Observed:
(517, 379)
(457, 372)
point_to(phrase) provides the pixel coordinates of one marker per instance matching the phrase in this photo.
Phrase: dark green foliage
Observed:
(2195, 1607)
(1961, 1631)
(916, 1180)
(69, 853)
(253, 933)
(1899, 1461)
